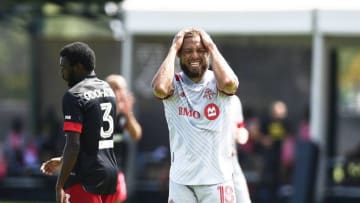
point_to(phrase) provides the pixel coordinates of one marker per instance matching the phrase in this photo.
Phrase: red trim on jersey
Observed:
(177, 77)
(72, 126)
(240, 125)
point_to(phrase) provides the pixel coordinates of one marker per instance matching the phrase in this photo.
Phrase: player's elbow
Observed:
(161, 91)
(137, 133)
(72, 149)
(229, 85)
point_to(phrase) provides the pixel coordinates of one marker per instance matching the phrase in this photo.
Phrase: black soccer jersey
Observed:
(89, 109)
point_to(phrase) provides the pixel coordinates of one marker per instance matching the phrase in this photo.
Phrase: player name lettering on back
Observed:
(97, 93)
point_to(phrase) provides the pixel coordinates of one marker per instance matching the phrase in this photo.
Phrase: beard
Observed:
(198, 73)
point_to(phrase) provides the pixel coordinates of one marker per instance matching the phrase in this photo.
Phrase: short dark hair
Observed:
(79, 52)
(191, 33)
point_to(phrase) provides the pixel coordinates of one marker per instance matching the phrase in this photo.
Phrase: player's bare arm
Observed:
(70, 153)
(162, 81)
(133, 126)
(226, 79)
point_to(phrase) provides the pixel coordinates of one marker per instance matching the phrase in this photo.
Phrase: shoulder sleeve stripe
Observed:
(72, 126)
(177, 77)
(240, 125)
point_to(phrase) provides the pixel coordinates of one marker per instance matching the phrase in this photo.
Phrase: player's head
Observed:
(194, 57)
(119, 86)
(77, 59)
(116, 81)
(279, 110)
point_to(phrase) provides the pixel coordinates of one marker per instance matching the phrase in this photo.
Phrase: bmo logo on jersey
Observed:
(183, 111)
(211, 111)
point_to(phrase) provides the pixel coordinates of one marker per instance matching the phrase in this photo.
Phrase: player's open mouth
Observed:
(195, 64)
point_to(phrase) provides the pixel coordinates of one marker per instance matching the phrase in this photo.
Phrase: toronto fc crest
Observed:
(208, 94)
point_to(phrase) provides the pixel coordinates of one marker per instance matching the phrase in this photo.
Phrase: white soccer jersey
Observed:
(200, 134)
(237, 112)
(241, 189)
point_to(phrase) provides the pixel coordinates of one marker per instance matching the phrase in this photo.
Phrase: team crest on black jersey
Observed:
(209, 94)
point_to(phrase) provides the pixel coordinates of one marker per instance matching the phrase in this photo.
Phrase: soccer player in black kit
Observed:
(88, 165)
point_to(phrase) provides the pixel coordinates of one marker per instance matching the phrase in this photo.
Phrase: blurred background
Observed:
(305, 55)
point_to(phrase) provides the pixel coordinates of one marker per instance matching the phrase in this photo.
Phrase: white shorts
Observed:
(241, 189)
(217, 193)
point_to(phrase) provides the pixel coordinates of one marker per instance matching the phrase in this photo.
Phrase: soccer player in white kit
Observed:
(197, 104)
(241, 136)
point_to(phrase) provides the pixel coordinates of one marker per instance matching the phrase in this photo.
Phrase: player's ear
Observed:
(80, 68)
(76, 67)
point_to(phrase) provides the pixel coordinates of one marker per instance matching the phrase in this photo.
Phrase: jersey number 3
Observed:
(107, 118)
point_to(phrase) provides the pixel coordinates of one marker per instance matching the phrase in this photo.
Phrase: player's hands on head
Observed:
(206, 39)
(51, 166)
(179, 38)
